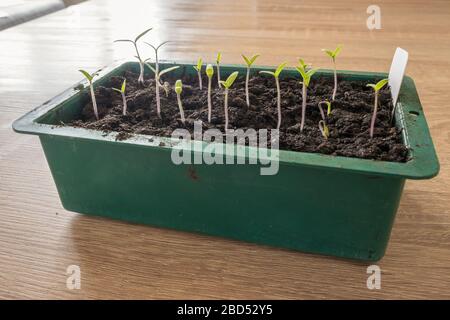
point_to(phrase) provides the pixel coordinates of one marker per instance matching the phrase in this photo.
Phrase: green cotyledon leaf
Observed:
(209, 70)
(230, 80)
(178, 86)
(142, 34)
(87, 75)
(379, 85)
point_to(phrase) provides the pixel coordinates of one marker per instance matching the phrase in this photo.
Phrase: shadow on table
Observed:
(126, 260)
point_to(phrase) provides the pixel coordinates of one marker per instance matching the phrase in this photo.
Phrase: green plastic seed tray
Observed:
(135, 180)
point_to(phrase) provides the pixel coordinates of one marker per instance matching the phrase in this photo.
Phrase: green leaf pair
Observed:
(230, 80)
(162, 71)
(306, 74)
(333, 53)
(88, 76)
(250, 60)
(198, 67)
(277, 72)
(122, 89)
(379, 85)
(157, 47)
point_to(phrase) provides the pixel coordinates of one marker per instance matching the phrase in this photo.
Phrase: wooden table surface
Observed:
(39, 239)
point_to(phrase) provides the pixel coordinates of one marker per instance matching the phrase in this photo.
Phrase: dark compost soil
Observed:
(348, 123)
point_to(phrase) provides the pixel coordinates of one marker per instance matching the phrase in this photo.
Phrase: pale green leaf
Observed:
(253, 59)
(268, 72)
(209, 70)
(329, 53)
(328, 103)
(142, 34)
(152, 46)
(311, 72)
(167, 70)
(250, 61)
(279, 69)
(124, 84)
(333, 53)
(379, 85)
(219, 57)
(178, 86)
(302, 63)
(86, 74)
(123, 40)
(302, 72)
(199, 64)
(230, 80)
(306, 75)
(337, 50)
(247, 60)
(161, 44)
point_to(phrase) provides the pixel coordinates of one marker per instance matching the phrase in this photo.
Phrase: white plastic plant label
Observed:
(397, 72)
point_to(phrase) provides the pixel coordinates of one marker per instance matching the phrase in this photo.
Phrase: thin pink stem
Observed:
(141, 73)
(200, 80)
(218, 76)
(246, 87)
(158, 99)
(374, 115)
(124, 100)
(209, 100)
(157, 85)
(226, 109)
(321, 110)
(180, 106)
(335, 81)
(302, 124)
(278, 102)
(94, 102)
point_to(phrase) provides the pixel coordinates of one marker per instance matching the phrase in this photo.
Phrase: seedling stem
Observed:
(333, 54)
(122, 93)
(157, 74)
(89, 78)
(249, 62)
(178, 90)
(227, 84)
(306, 76)
(328, 104)
(138, 56)
(209, 74)
(218, 59)
(276, 75)
(376, 88)
(198, 68)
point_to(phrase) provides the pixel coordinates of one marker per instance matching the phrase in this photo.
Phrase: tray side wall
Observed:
(350, 217)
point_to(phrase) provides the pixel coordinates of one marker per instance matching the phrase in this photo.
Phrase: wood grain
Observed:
(38, 239)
